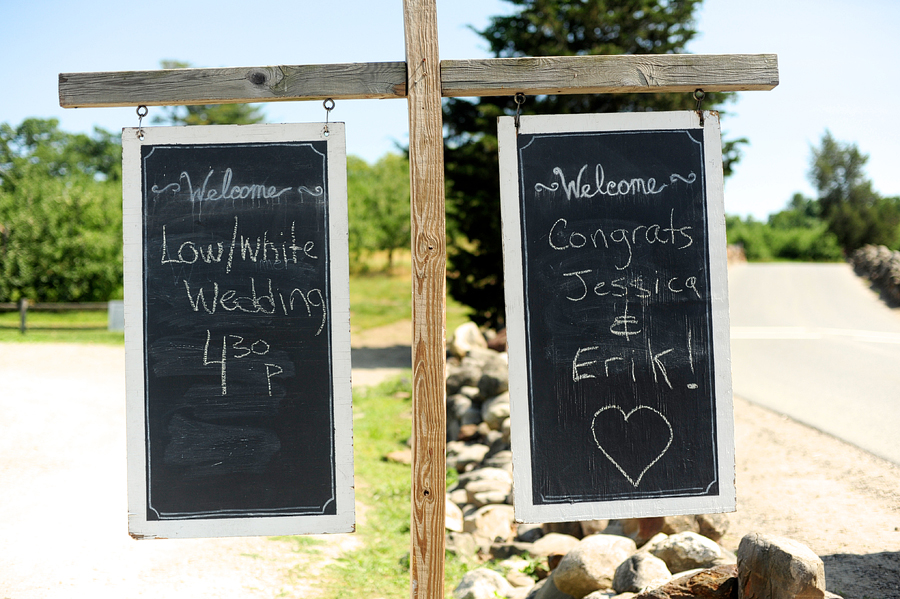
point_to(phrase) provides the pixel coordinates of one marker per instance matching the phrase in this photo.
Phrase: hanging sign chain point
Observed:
(699, 95)
(329, 106)
(141, 112)
(520, 99)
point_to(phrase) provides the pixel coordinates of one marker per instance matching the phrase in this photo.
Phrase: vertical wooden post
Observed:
(23, 312)
(426, 161)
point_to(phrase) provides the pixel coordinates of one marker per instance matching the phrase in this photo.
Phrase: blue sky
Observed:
(838, 69)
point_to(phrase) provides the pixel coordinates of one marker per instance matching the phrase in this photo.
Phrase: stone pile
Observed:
(881, 266)
(644, 558)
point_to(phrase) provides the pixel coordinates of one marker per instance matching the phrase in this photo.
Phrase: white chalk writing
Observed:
(270, 301)
(239, 349)
(279, 249)
(575, 189)
(226, 191)
(561, 238)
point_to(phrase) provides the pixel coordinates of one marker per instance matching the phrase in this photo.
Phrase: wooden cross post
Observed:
(423, 80)
(429, 285)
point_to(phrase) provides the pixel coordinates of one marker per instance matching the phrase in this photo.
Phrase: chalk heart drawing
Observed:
(626, 434)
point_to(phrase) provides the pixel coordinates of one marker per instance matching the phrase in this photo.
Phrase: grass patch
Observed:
(379, 568)
(377, 298)
(88, 326)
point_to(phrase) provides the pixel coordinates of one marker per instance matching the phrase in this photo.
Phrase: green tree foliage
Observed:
(38, 147)
(60, 213)
(378, 197)
(790, 234)
(544, 28)
(207, 114)
(855, 213)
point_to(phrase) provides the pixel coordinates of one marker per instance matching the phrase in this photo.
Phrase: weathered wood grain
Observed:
(426, 164)
(482, 77)
(233, 85)
(609, 74)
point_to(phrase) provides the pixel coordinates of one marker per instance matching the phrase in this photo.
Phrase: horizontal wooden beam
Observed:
(481, 77)
(646, 73)
(234, 85)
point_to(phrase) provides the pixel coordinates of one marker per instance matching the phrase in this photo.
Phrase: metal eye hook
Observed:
(699, 95)
(329, 106)
(141, 112)
(520, 99)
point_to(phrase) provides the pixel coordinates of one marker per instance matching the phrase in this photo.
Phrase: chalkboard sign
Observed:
(237, 331)
(617, 315)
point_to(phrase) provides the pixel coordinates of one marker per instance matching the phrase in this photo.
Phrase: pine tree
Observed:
(544, 28)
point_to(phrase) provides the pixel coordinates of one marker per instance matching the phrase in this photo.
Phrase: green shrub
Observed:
(784, 239)
(61, 239)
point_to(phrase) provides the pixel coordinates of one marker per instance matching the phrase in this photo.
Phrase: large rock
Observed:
(713, 526)
(715, 583)
(465, 456)
(654, 542)
(591, 565)
(503, 459)
(505, 551)
(529, 533)
(494, 368)
(881, 266)
(567, 528)
(497, 474)
(639, 530)
(483, 492)
(554, 543)
(547, 589)
(482, 583)
(492, 522)
(672, 525)
(458, 404)
(689, 550)
(462, 373)
(640, 571)
(466, 337)
(462, 544)
(495, 410)
(592, 527)
(472, 416)
(778, 568)
(453, 518)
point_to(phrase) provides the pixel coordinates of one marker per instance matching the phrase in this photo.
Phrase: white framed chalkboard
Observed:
(617, 315)
(237, 331)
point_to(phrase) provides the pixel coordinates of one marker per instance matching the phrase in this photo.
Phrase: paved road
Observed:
(812, 341)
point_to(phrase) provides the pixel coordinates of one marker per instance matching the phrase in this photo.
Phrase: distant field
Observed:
(377, 298)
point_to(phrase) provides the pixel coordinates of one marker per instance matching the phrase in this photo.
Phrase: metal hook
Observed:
(141, 112)
(329, 106)
(520, 99)
(699, 95)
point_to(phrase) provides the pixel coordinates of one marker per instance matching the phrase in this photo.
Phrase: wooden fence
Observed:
(23, 306)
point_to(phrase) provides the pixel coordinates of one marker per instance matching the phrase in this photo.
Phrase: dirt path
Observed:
(840, 501)
(63, 512)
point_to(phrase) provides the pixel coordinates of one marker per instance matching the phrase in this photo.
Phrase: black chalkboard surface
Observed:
(239, 330)
(617, 315)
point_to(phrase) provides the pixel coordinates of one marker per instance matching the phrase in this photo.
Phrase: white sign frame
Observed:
(526, 509)
(339, 322)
